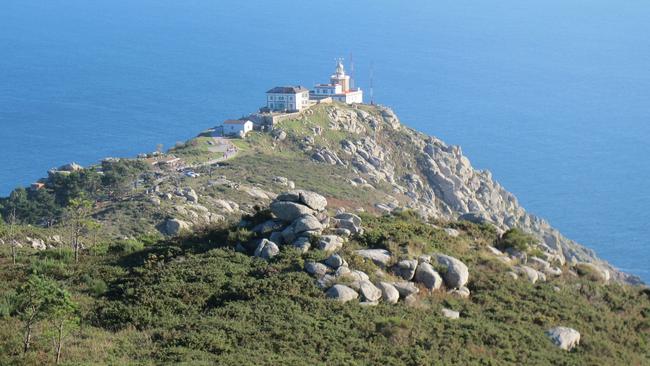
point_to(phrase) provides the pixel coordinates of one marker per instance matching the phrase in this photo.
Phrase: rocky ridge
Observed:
(434, 178)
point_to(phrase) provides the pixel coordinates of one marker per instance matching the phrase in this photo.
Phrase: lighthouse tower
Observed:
(339, 76)
(338, 89)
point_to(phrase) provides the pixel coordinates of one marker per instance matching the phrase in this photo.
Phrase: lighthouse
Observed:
(338, 88)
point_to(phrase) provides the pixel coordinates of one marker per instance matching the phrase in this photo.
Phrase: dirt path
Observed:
(221, 145)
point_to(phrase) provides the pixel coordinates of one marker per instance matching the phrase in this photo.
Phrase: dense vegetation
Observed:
(46, 205)
(197, 300)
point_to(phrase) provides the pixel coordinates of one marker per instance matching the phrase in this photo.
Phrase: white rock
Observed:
(316, 269)
(451, 314)
(406, 288)
(266, 249)
(342, 271)
(428, 276)
(369, 291)
(349, 216)
(306, 223)
(532, 274)
(564, 337)
(452, 232)
(175, 226)
(341, 293)
(406, 268)
(462, 292)
(289, 211)
(379, 256)
(311, 199)
(456, 274)
(330, 243)
(388, 292)
(335, 261)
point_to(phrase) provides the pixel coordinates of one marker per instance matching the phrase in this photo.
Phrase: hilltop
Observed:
(196, 251)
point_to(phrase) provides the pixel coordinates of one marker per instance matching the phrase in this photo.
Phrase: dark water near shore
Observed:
(552, 97)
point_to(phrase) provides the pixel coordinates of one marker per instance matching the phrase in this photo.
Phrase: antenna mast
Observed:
(351, 72)
(372, 84)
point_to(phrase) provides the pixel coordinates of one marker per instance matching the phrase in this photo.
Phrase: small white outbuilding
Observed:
(238, 127)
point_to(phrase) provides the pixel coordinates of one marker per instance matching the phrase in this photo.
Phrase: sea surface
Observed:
(552, 96)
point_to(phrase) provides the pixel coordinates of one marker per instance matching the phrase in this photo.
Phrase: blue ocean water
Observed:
(553, 97)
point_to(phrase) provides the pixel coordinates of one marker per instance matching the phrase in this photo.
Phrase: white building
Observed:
(237, 127)
(339, 88)
(287, 98)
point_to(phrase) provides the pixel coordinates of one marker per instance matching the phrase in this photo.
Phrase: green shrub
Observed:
(516, 239)
(65, 255)
(97, 287)
(125, 246)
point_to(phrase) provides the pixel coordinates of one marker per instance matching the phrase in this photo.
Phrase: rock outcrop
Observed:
(437, 180)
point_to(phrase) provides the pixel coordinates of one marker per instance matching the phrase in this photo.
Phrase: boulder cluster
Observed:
(408, 276)
(300, 220)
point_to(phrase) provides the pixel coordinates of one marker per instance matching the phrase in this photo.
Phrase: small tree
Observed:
(62, 314)
(11, 236)
(39, 299)
(79, 222)
(33, 302)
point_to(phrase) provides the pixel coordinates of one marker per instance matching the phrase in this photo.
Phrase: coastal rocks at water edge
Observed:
(564, 337)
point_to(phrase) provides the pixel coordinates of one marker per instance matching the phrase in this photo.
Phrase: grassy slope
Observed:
(197, 301)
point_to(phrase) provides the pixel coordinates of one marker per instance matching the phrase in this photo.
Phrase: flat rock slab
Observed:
(289, 211)
(311, 199)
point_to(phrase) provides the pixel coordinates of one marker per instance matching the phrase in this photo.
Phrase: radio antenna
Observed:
(351, 72)
(372, 83)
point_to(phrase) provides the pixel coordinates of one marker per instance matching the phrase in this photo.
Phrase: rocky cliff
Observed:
(425, 174)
